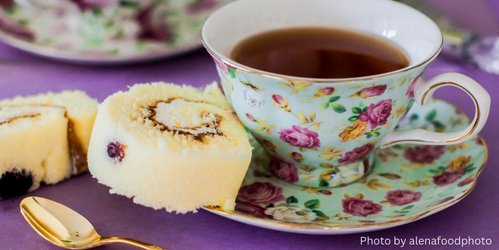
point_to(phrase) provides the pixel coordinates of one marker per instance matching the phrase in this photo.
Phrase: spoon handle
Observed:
(132, 242)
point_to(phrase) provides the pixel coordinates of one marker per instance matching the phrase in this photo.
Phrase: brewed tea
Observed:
(319, 52)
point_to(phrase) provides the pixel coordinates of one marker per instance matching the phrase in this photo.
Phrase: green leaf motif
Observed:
(324, 106)
(338, 108)
(318, 213)
(128, 4)
(365, 109)
(353, 118)
(431, 116)
(470, 168)
(413, 117)
(312, 204)
(407, 207)
(334, 98)
(323, 183)
(411, 102)
(439, 170)
(232, 72)
(291, 199)
(356, 110)
(437, 124)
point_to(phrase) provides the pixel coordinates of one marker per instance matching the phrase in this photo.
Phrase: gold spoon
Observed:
(66, 228)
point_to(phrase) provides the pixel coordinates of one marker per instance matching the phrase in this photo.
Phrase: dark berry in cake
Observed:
(14, 183)
(116, 151)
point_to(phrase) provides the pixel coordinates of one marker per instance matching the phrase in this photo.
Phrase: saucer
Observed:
(104, 33)
(408, 182)
(83, 57)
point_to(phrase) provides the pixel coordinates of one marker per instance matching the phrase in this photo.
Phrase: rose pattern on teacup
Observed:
(324, 128)
(303, 134)
(402, 188)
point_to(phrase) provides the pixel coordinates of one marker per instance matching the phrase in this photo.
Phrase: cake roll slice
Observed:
(81, 111)
(34, 148)
(169, 146)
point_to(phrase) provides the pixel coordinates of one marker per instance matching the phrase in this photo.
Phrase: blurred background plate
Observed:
(107, 31)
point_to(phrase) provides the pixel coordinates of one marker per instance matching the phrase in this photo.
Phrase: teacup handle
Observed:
(423, 92)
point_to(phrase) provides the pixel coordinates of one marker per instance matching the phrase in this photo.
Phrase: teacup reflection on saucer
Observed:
(407, 183)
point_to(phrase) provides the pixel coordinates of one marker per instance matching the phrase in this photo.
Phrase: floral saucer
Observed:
(105, 32)
(408, 182)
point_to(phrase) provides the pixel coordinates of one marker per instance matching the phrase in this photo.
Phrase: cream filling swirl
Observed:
(178, 115)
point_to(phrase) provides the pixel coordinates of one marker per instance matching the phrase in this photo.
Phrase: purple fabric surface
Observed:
(113, 215)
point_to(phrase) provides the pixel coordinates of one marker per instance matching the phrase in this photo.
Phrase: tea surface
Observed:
(319, 52)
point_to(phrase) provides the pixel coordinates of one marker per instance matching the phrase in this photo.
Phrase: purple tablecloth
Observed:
(475, 216)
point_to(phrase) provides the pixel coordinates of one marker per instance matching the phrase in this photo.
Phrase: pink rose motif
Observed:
(402, 197)
(261, 194)
(201, 5)
(247, 208)
(283, 170)
(410, 90)
(300, 137)
(426, 154)
(151, 30)
(371, 91)
(325, 192)
(374, 91)
(250, 117)
(297, 157)
(447, 177)
(466, 181)
(10, 27)
(377, 114)
(359, 207)
(224, 67)
(7, 4)
(326, 91)
(281, 102)
(356, 154)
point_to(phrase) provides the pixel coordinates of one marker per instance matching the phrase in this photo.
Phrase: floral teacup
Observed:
(322, 132)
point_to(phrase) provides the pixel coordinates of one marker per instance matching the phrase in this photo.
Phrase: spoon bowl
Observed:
(66, 228)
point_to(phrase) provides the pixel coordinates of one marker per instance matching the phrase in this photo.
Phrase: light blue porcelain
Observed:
(322, 132)
(318, 133)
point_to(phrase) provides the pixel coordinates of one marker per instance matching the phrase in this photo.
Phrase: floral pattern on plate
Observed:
(105, 29)
(408, 182)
